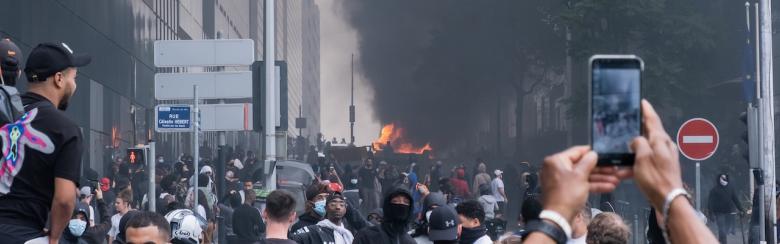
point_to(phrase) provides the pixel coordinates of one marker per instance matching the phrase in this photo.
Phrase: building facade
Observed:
(115, 97)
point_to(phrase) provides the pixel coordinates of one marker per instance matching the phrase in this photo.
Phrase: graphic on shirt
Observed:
(15, 137)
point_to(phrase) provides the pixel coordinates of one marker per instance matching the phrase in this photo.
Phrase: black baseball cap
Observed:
(10, 58)
(9, 52)
(334, 196)
(47, 59)
(443, 224)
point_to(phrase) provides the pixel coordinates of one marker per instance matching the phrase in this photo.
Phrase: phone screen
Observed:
(615, 113)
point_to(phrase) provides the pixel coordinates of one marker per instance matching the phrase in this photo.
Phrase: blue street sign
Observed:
(173, 118)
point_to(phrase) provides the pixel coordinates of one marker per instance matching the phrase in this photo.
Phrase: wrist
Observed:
(557, 219)
(567, 212)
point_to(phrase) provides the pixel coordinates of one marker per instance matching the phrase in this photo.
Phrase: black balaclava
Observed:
(397, 216)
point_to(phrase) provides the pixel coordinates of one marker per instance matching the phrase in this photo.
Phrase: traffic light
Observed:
(136, 157)
(745, 136)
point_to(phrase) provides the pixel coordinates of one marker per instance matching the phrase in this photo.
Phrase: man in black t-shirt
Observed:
(41, 161)
(279, 212)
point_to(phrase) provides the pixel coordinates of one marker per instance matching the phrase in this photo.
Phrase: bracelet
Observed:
(558, 219)
(550, 230)
(668, 204)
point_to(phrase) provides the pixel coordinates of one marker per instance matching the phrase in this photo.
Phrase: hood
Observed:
(435, 198)
(378, 212)
(386, 205)
(82, 208)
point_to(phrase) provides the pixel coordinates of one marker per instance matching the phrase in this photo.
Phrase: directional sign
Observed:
(222, 52)
(697, 139)
(171, 118)
(226, 117)
(212, 85)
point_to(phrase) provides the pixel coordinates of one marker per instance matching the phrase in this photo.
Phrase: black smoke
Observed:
(437, 67)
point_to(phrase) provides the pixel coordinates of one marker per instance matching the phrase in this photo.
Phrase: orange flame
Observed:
(396, 138)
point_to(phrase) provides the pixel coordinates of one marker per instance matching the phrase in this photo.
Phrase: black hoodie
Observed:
(389, 232)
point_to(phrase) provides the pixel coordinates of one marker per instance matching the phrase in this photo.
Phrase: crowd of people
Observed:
(41, 202)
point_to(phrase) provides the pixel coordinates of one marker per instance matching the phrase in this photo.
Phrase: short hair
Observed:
(126, 195)
(531, 209)
(146, 219)
(249, 197)
(608, 228)
(316, 189)
(471, 209)
(279, 205)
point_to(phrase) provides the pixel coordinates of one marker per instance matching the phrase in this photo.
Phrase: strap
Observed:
(558, 219)
(549, 229)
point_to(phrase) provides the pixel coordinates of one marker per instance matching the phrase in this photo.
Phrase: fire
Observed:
(396, 138)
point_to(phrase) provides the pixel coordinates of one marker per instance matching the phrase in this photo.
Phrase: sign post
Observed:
(697, 140)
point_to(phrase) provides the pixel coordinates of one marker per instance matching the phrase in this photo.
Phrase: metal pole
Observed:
(196, 147)
(698, 185)
(352, 105)
(151, 161)
(766, 117)
(270, 98)
(221, 160)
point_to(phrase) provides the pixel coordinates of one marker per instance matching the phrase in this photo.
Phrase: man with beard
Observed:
(331, 229)
(397, 216)
(43, 149)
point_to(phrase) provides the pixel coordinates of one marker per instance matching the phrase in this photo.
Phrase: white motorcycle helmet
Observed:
(186, 227)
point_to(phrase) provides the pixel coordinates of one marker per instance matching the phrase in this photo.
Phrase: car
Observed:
(292, 177)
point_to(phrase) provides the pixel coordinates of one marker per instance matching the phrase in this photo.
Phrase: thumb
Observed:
(586, 164)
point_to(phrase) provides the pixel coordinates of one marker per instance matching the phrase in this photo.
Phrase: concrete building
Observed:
(115, 97)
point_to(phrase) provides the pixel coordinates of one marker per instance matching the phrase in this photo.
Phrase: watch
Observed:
(549, 229)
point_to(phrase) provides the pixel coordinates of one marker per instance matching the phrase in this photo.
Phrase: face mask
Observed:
(723, 182)
(397, 213)
(428, 216)
(77, 227)
(319, 207)
(354, 181)
(160, 160)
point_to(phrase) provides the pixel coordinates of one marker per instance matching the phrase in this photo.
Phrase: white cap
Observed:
(206, 169)
(498, 172)
(238, 164)
(86, 191)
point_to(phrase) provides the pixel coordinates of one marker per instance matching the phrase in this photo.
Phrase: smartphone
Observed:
(615, 113)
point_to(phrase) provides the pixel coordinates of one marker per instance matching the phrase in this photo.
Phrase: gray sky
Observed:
(338, 40)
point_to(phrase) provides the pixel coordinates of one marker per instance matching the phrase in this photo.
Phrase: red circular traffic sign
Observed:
(697, 139)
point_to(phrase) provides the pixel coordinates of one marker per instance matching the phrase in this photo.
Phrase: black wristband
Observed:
(549, 229)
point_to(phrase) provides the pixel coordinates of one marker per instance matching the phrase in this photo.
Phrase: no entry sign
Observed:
(697, 139)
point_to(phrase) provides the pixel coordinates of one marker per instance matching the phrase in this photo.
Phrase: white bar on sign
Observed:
(697, 139)
(221, 52)
(213, 85)
(226, 117)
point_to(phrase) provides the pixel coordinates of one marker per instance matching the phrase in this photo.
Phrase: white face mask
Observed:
(428, 215)
(723, 182)
(77, 227)
(354, 181)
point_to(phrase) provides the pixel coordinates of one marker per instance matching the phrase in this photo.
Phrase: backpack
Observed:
(11, 108)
